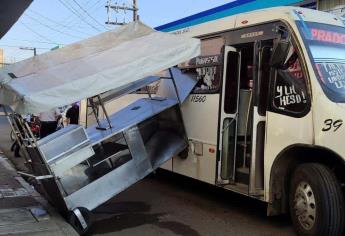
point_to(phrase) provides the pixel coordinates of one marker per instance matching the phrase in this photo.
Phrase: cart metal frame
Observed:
(81, 168)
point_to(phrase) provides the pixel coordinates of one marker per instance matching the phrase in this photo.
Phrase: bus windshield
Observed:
(326, 45)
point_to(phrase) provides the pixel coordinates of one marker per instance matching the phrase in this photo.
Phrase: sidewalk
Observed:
(22, 210)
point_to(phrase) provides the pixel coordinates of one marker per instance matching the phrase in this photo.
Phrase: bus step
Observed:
(242, 175)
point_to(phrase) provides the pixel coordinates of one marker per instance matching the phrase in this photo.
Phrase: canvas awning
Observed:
(93, 66)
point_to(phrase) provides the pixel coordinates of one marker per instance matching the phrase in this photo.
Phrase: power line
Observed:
(91, 9)
(57, 23)
(17, 46)
(34, 41)
(68, 19)
(75, 1)
(38, 34)
(51, 28)
(75, 12)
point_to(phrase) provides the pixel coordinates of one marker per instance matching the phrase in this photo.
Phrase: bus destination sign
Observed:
(327, 36)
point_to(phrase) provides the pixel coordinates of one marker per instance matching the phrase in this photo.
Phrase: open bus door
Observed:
(243, 115)
(229, 114)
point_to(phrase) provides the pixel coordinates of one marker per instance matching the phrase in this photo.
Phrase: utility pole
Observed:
(135, 11)
(117, 8)
(29, 48)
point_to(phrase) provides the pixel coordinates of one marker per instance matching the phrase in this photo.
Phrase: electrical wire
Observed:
(75, 12)
(91, 9)
(34, 41)
(56, 22)
(75, 1)
(68, 19)
(38, 34)
(51, 28)
(17, 46)
(96, 3)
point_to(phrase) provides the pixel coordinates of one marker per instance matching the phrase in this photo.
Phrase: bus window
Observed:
(263, 80)
(231, 83)
(206, 68)
(290, 89)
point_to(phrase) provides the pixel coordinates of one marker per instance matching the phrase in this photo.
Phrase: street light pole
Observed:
(29, 48)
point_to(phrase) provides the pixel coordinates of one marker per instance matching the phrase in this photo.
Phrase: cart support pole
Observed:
(104, 110)
(93, 106)
(175, 86)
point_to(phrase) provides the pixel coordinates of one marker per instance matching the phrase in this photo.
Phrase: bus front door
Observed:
(229, 115)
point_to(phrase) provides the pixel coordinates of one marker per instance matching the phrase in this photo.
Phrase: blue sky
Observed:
(47, 23)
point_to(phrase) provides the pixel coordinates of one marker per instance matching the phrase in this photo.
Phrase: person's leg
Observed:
(16, 150)
(47, 128)
(43, 129)
(52, 127)
(13, 145)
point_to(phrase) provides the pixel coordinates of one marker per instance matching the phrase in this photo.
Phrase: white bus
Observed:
(266, 117)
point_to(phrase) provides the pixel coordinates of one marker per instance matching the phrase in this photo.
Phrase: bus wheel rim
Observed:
(305, 206)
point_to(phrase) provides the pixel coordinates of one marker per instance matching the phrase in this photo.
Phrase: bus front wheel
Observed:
(316, 201)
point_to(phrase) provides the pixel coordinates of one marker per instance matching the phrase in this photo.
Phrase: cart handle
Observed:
(36, 177)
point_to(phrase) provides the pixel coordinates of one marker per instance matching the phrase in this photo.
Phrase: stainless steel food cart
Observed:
(80, 168)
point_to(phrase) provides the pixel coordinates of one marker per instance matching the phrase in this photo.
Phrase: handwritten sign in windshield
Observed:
(290, 90)
(287, 95)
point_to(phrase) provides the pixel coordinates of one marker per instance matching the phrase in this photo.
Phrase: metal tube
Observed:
(94, 111)
(86, 113)
(104, 110)
(34, 176)
(39, 150)
(27, 155)
(175, 86)
(148, 92)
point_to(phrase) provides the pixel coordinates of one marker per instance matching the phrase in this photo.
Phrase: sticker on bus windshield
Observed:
(332, 75)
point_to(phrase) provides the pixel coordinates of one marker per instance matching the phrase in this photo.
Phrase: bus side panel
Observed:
(200, 114)
(283, 131)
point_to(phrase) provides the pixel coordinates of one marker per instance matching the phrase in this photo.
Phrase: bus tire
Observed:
(316, 201)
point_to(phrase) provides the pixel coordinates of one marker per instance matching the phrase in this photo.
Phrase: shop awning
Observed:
(93, 66)
(10, 11)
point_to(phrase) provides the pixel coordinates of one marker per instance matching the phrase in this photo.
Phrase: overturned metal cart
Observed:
(81, 168)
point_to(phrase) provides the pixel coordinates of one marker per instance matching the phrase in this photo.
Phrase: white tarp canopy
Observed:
(91, 67)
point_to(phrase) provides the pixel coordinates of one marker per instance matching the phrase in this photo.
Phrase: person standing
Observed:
(48, 122)
(72, 114)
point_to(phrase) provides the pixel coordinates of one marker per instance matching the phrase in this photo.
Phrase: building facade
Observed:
(336, 7)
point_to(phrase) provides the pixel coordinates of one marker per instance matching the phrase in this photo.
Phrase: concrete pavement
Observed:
(23, 211)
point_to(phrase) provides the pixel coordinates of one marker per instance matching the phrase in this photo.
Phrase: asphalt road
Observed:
(168, 204)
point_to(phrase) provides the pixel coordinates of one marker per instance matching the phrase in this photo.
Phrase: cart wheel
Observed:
(12, 136)
(184, 154)
(79, 219)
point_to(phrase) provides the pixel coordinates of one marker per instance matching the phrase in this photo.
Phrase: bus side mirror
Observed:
(279, 53)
